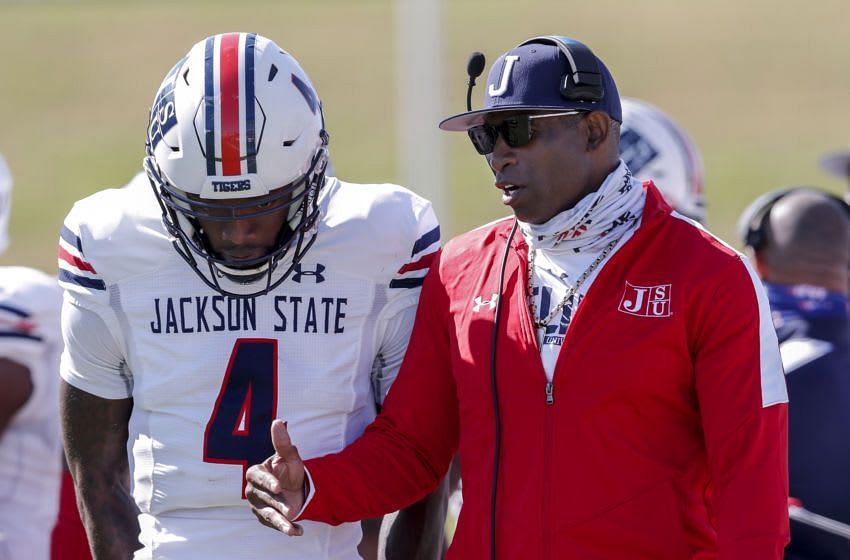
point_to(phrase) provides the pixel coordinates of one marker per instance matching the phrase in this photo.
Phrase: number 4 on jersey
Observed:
(237, 432)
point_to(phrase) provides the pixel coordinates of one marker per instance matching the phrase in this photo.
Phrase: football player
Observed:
(656, 148)
(30, 447)
(233, 283)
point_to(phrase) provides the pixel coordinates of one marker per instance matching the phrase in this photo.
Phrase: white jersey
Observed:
(208, 373)
(30, 447)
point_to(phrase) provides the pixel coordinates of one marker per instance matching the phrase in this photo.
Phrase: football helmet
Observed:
(5, 203)
(236, 132)
(656, 148)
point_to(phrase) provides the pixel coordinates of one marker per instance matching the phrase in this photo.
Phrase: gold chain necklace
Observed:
(571, 290)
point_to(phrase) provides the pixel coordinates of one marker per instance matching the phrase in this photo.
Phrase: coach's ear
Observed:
(598, 129)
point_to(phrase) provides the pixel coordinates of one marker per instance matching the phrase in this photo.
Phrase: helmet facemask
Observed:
(180, 214)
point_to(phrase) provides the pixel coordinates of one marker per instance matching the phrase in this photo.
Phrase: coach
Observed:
(607, 370)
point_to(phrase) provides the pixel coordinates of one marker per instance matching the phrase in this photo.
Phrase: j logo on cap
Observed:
(506, 73)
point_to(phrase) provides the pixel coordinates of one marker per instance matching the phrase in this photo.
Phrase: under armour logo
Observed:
(479, 302)
(317, 274)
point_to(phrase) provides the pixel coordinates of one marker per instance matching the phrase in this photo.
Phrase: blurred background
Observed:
(761, 86)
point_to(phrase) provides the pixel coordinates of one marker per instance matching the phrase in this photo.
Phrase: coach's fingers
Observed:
(273, 519)
(260, 499)
(262, 477)
(283, 444)
(262, 519)
(286, 463)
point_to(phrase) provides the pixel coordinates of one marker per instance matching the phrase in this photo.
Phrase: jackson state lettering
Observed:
(203, 314)
(310, 314)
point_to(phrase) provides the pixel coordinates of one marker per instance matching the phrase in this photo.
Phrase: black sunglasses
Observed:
(516, 131)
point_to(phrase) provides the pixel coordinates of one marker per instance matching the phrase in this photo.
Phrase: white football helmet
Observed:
(656, 148)
(235, 119)
(5, 203)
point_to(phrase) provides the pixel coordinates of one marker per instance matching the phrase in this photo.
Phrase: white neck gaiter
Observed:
(596, 219)
(570, 250)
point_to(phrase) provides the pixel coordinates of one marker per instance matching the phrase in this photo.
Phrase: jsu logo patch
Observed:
(646, 301)
(480, 302)
(298, 273)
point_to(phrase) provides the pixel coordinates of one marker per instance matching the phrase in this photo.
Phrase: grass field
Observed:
(762, 86)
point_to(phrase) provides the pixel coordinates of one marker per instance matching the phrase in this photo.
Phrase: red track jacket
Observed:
(665, 435)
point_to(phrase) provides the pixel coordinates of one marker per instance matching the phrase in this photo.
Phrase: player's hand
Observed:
(275, 488)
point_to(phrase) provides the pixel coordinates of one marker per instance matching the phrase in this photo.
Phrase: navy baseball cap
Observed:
(529, 77)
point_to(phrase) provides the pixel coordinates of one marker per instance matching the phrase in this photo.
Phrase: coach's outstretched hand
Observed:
(275, 488)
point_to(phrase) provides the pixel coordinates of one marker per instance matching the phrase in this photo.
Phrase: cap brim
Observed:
(837, 164)
(465, 121)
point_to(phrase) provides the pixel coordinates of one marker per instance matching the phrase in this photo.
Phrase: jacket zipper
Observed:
(547, 468)
(528, 327)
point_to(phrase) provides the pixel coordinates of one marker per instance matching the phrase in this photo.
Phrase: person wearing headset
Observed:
(656, 148)
(607, 370)
(799, 239)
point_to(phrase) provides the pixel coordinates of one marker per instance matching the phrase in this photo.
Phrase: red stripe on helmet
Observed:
(229, 92)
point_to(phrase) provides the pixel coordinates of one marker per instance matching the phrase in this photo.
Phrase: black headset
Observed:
(494, 390)
(583, 82)
(754, 222)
